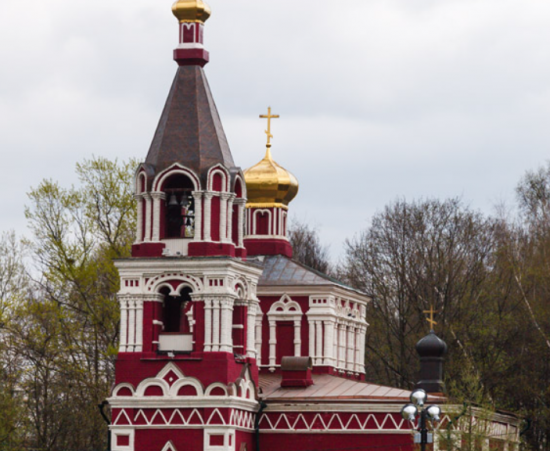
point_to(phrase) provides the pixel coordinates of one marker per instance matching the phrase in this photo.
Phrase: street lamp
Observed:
(431, 413)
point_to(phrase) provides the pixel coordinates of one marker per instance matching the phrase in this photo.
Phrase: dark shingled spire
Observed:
(190, 131)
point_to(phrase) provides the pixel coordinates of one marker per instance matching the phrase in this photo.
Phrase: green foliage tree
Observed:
(13, 287)
(64, 329)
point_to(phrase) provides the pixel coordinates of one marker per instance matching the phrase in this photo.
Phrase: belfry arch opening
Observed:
(177, 320)
(179, 207)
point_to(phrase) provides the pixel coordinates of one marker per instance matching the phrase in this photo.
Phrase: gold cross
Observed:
(430, 320)
(269, 117)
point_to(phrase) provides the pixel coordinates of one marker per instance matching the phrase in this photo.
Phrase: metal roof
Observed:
(282, 271)
(332, 388)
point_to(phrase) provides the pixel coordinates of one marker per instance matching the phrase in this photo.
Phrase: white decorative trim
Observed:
(208, 216)
(176, 168)
(197, 195)
(169, 446)
(157, 197)
(218, 169)
(228, 439)
(285, 309)
(255, 222)
(130, 433)
(139, 218)
(148, 216)
(155, 284)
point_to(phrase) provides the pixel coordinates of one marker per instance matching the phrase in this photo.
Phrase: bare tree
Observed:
(307, 247)
(417, 255)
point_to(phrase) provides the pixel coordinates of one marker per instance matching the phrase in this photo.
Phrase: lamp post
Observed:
(409, 412)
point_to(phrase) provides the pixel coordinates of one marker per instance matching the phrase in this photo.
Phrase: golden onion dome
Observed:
(269, 185)
(191, 11)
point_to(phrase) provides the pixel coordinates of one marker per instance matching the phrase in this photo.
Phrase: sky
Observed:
(379, 99)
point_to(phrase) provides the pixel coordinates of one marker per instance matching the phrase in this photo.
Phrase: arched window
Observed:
(174, 311)
(179, 212)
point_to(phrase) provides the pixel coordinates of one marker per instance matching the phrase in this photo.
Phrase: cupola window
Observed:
(180, 208)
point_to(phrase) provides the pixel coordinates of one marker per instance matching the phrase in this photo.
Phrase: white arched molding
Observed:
(225, 178)
(185, 280)
(285, 309)
(255, 221)
(176, 168)
(141, 181)
(239, 179)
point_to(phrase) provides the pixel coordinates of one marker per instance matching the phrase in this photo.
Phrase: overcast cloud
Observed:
(378, 99)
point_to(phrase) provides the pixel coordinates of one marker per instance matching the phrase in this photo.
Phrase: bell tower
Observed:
(186, 371)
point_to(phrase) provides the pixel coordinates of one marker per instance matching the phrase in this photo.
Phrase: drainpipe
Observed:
(102, 412)
(263, 405)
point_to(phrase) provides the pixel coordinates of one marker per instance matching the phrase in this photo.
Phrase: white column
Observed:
(336, 346)
(329, 342)
(148, 215)
(259, 317)
(363, 337)
(223, 217)
(207, 325)
(139, 325)
(358, 349)
(342, 347)
(297, 338)
(312, 339)
(229, 235)
(240, 237)
(123, 325)
(216, 325)
(131, 325)
(250, 331)
(157, 199)
(198, 215)
(351, 342)
(207, 216)
(272, 344)
(319, 343)
(139, 218)
(227, 325)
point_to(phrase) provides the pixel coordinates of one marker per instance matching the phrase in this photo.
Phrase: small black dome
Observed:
(431, 346)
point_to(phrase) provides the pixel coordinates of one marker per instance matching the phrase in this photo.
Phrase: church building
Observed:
(226, 342)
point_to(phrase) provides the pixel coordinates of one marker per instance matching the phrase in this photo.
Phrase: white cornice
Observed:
(330, 289)
(162, 402)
